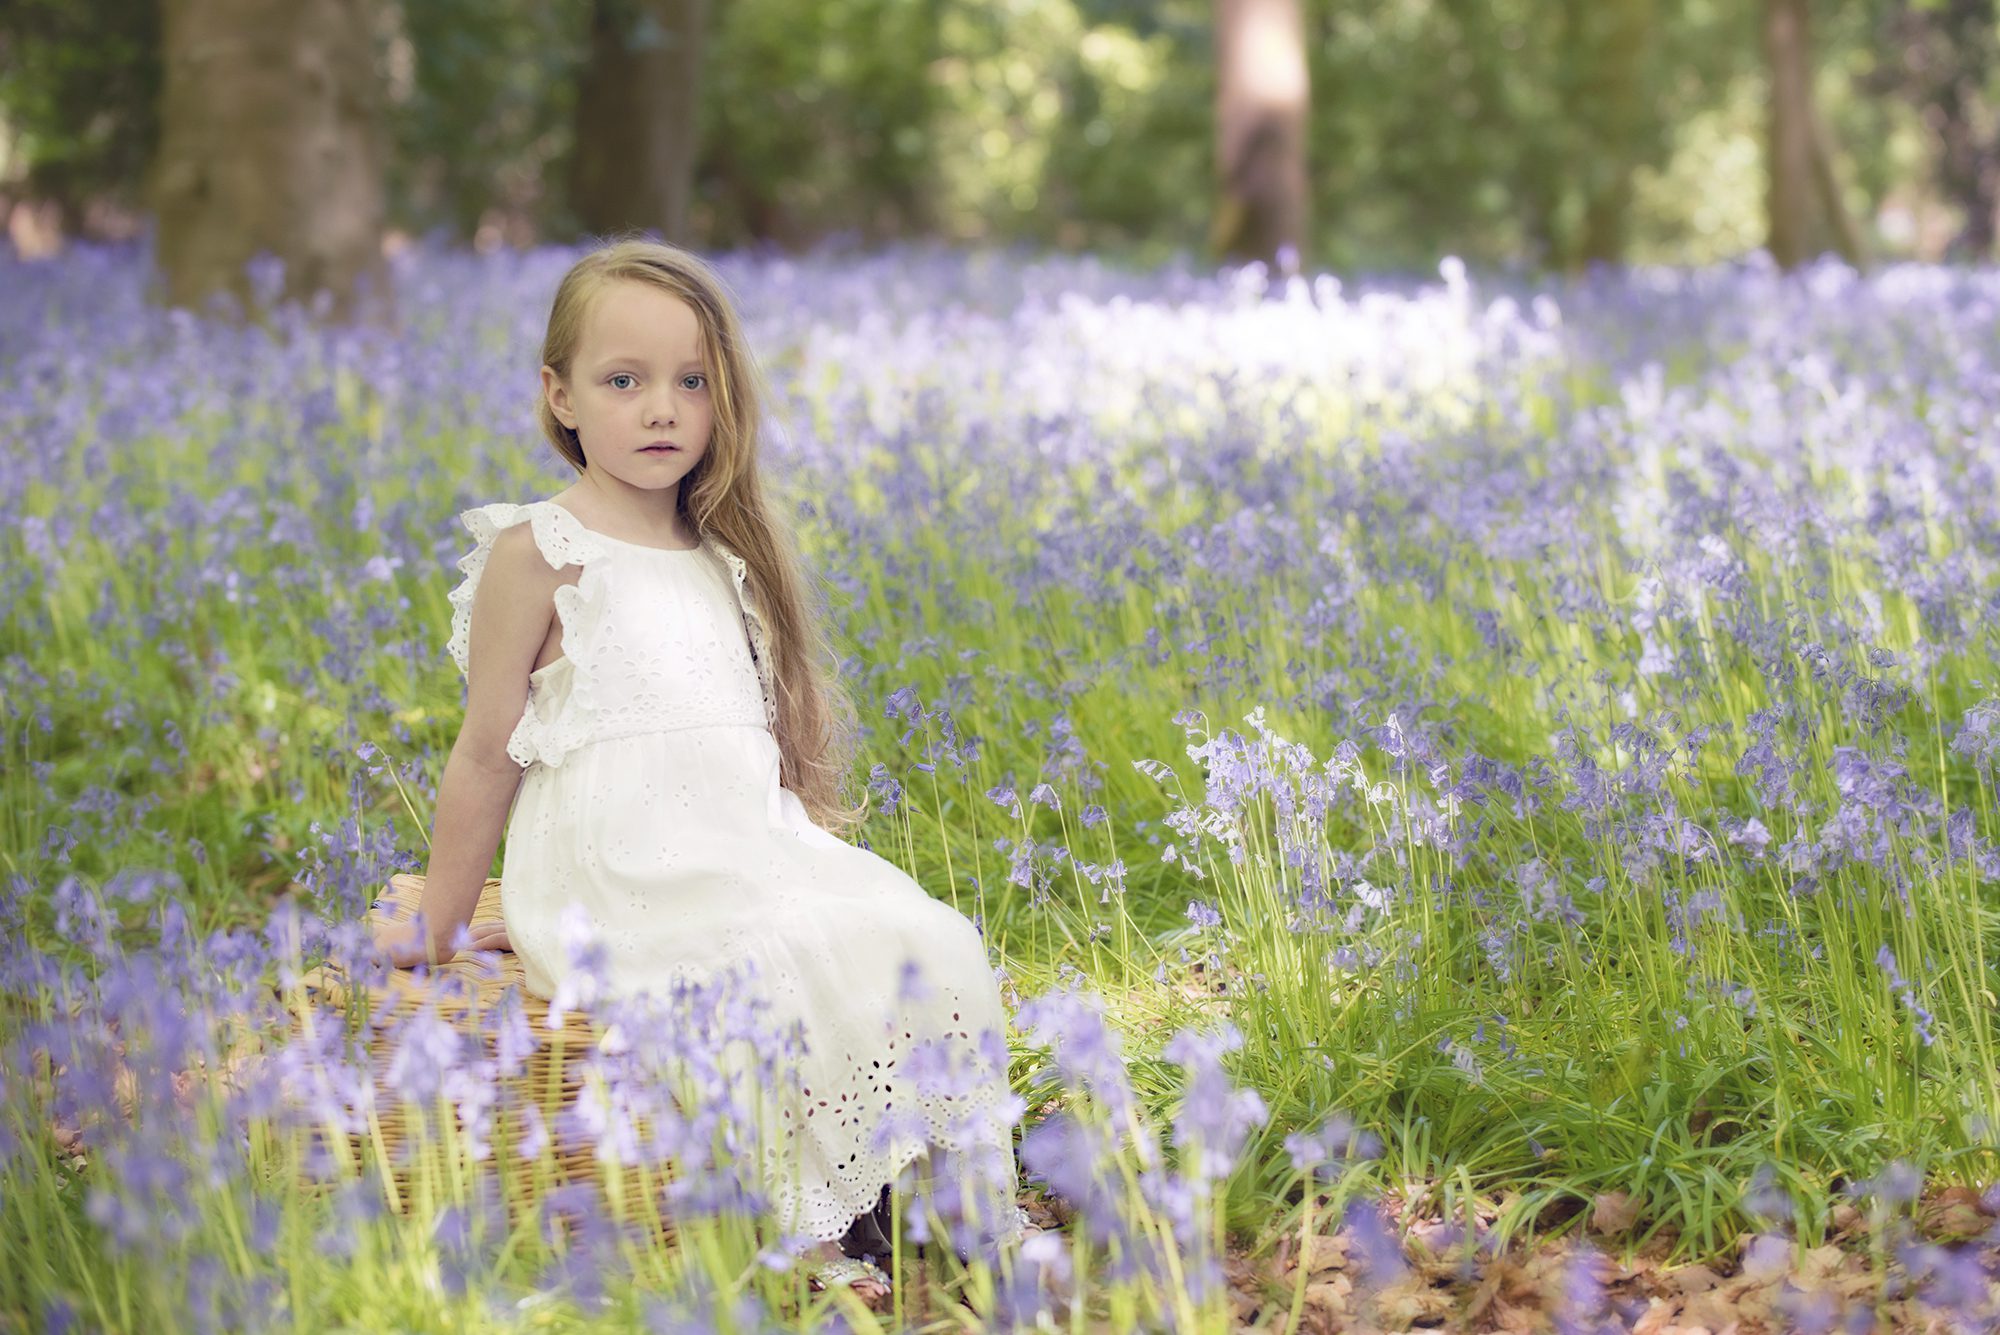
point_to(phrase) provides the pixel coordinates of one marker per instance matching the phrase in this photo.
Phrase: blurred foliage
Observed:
(1486, 128)
(817, 118)
(1077, 125)
(479, 97)
(79, 96)
(1466, 127)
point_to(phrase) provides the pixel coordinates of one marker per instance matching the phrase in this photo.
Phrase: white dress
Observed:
(651, 799)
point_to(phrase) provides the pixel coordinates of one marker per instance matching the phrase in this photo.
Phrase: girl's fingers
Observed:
(490, 936)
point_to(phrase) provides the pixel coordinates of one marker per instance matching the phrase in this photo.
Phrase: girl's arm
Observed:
(512, 609)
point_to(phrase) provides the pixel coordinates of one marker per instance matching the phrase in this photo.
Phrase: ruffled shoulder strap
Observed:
(558, 536)
(753, 623)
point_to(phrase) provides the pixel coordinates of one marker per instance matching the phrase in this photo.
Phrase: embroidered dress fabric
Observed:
(651, 801)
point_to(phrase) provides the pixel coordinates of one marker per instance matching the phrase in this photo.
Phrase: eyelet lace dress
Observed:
(651, 800)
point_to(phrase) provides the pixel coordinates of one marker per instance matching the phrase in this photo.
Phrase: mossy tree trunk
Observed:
(1802, 192)
(637, 116)
(1611, 101)
(270, 144)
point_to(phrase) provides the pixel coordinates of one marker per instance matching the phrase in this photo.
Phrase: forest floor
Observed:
(1857, 1281)
(1937, 1270)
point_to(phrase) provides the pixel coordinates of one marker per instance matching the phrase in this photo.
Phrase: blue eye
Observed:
(623, 375)
(694, 375)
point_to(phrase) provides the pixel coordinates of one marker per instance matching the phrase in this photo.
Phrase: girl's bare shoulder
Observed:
(518, 563)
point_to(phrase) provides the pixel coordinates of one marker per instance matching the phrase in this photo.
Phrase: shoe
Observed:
(826, 1274)
(869, 1234)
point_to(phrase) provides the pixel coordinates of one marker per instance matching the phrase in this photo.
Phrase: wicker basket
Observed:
(463, 991)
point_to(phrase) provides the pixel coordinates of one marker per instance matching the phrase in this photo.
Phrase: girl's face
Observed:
(637, 393)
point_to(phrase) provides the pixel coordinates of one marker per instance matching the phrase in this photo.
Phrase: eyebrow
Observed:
(606, 363)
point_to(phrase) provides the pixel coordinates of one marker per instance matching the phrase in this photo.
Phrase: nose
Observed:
(660, 407)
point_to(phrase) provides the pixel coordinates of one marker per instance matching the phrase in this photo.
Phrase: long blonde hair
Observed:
(723, 496)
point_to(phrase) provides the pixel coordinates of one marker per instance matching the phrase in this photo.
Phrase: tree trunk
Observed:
(1957, 46)
(1802, 193)
(1261, 100)
(1788, 151)
(1968, 170)
(636, 116)
(1612, 103)
(1846, 236)
(270, 144)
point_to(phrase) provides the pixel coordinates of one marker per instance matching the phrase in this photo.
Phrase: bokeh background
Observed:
(1543, 132)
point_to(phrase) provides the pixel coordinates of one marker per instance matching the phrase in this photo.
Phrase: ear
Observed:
(557, 395)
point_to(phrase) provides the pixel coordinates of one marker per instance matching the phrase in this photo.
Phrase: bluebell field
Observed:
(1446, 746)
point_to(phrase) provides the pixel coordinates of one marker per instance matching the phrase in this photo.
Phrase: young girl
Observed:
(641, 643)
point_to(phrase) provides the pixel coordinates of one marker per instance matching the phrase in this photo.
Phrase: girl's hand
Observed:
(489, 936)
(402, 942)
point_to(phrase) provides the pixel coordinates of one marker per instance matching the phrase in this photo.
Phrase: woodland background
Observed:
(1545, 133)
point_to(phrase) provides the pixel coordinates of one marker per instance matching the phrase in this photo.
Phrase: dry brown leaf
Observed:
(1540, 1266)
(1709, 1309)
(1657, 1318)
(1436, 1237)
(1517, 1320)
(1521, 1291)
(1522, 1283)
(1316, 1321)
(1758, 1305)
(1954, 1214)
(1561, 1263)
(1734, 1301)
(1488, 1290)
(1614, 1212)
(1330, 1296)
(1658, 1246)
(1324, 1251)
(1403, 1304)
(1690, 1280)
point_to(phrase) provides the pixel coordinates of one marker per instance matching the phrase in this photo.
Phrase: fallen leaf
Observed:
(1657, 1318)
(1324, 1251)
(1690, 1280)
(1488, 1289)
(1614, 1212)
(1403, 1305)
(1331, 1295)
(1954, 1214)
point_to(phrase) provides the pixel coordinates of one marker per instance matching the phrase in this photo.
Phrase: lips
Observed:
(660, 449)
